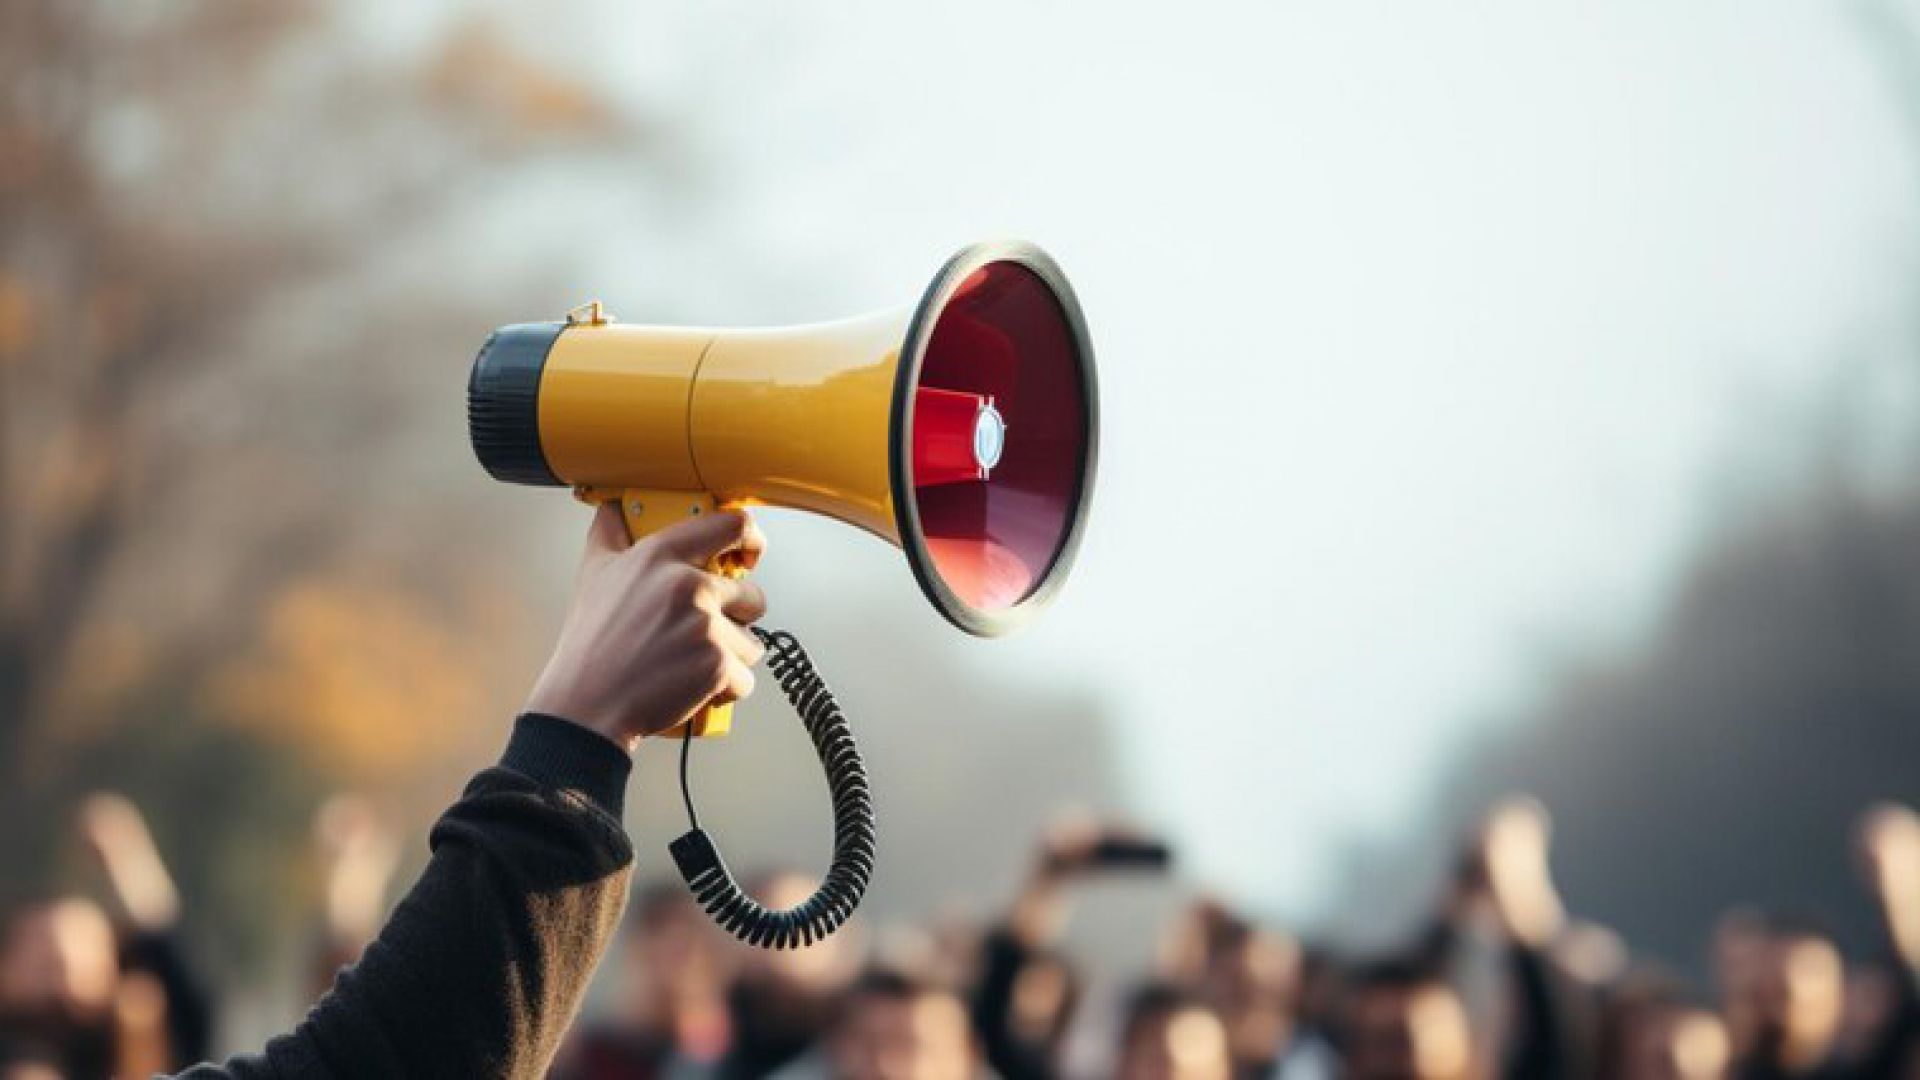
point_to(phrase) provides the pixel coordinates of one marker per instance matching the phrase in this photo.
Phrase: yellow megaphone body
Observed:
(962, 429)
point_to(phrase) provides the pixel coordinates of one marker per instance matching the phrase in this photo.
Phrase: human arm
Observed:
(481, 967)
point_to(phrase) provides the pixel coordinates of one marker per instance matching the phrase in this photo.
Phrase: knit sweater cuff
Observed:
(564, 756)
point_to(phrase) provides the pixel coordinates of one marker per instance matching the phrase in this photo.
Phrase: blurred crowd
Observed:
(1502, 983)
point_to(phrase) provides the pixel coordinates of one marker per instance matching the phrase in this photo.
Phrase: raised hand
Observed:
(652, 636)
(116, 834)
(359, 853)
(1514, 847)
(1888, 841)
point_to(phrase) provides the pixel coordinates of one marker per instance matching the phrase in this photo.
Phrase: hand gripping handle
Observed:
(646, 512)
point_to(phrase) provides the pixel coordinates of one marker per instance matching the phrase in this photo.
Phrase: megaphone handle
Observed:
(647, 511)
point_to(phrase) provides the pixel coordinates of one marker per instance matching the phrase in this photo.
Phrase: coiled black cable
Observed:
(853, 824)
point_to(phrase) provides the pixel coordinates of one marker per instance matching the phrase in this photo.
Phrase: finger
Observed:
(740, 643)
(751, 547)
(700, 540)
(736, 683)
(608, 533)
(739, 599)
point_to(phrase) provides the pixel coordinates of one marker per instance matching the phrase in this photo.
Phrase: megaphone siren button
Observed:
(989, 437)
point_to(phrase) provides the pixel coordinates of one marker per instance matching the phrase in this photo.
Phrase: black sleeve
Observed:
(189, 1006)
(1893, 1050)
(1435, 946)
(480, 969)
(1003, 958)
(1557, 1021)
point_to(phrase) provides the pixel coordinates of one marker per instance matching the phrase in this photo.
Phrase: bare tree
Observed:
(164, 171)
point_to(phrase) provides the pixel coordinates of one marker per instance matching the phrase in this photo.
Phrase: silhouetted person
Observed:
(1171, 1033)
(1403, 1021)
(1798, 983)
(670, 1014)
(89, 995)
(1251, 976)
(1888, 843)
(59, 979)
(163, 1008)
(1504, 912)
(358, 855)
(1026, 989)
(1739, 939)
(1654, 1032)
(1313, 1054)
(893, 1025)
(1677, 1042)
(783, 1001)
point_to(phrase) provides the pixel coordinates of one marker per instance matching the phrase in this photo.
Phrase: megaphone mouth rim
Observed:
(906, 509)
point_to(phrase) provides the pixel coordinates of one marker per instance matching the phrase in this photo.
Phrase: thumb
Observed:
(697, 541)
(608, 533)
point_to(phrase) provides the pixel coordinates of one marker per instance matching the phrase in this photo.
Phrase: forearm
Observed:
(481, 968)
(189, 1007)
(1899, 1036)
(1902, 922)
(1039, 911)
(1555, 1017)
(1004, 956)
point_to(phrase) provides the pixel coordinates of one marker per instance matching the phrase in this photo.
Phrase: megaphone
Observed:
(962, 429)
